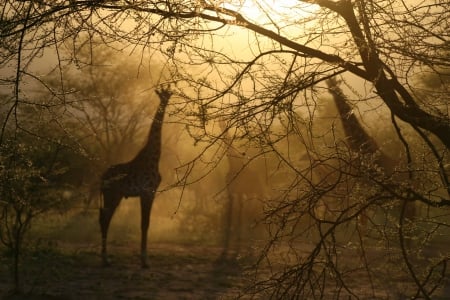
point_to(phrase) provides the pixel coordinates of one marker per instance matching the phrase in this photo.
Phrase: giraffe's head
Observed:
(164, 93)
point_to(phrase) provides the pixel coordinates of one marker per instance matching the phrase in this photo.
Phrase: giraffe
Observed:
(235, 165)
(359, 141)
(244, 185)
(356, 138)
(139, 177)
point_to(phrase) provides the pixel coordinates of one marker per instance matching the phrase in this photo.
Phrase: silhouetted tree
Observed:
(269, 89)
(32, 183)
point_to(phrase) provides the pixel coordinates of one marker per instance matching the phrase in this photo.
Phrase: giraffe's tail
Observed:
(101, 198)
(100, 194)
(94, 198)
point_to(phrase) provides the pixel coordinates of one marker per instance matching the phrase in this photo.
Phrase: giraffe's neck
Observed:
(357, 137)
(152, 149)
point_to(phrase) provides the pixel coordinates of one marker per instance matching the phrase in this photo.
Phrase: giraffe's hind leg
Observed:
(110, 203)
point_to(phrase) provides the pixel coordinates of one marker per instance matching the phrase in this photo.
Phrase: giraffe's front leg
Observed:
(146, 207)
(105, 261)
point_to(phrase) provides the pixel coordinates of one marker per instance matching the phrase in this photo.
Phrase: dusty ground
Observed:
(176, 272)
(65, 264)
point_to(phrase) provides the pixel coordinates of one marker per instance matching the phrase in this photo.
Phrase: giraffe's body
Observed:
(122, 179)
(139, 177)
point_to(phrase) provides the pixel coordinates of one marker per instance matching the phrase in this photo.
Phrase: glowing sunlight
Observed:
(278, 10)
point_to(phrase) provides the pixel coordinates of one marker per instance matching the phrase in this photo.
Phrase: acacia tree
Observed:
(268, 90)
(34, 181)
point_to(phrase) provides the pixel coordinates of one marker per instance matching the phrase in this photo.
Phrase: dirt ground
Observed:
(175, 272)
(65, 264)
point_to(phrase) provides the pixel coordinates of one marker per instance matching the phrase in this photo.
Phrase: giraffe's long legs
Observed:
(111, 201)
(146, 207)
